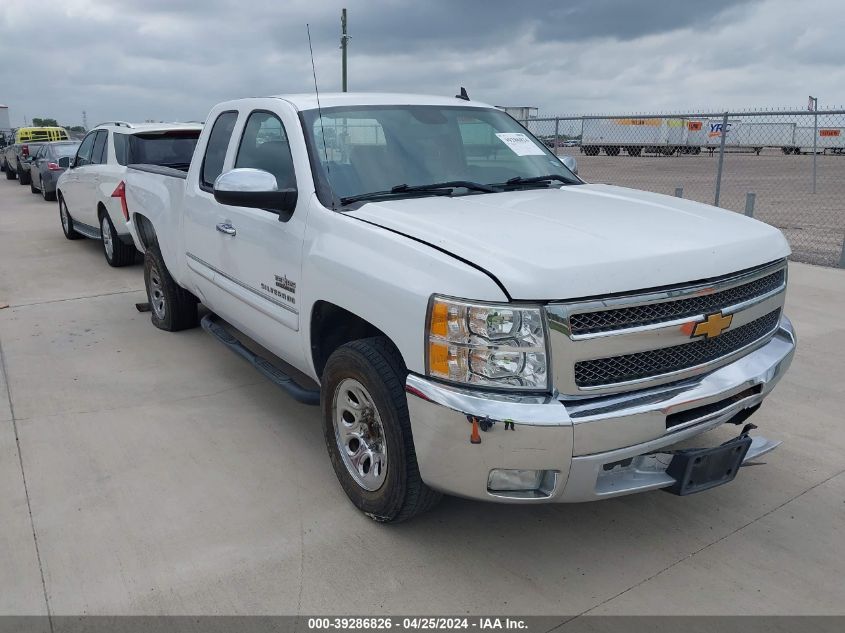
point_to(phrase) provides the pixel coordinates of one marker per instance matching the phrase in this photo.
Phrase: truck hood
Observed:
(583, 240)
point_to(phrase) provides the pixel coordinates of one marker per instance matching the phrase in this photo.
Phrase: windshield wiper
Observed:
(462, 184)
(521, 180)
(433, 189)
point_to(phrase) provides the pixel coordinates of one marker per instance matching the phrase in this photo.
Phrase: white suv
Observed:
(91, 192)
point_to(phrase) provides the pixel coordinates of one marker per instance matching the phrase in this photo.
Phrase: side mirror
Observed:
(64, 162)
(570, 163)
(254, 188)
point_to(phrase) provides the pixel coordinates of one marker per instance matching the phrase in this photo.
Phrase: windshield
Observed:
(378, 148)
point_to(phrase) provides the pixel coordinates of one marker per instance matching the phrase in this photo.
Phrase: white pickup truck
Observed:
(472, 318)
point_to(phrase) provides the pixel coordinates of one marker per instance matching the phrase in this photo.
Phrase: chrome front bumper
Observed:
(586, 443)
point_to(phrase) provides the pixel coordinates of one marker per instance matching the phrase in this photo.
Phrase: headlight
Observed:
(488, 345)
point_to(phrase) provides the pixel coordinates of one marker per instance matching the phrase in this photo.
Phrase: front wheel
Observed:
(67, 222)
(368, 431)
(23, 178)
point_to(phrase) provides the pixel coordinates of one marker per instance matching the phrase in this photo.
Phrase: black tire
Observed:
(178, 306)
(67, 227)
(32, 188)
(122, 254)
(10, 175)
(49, 196)
(377, 365)
(23, 178)
(3, 165)
(634, 151)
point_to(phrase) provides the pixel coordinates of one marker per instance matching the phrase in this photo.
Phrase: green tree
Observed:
(38, 122)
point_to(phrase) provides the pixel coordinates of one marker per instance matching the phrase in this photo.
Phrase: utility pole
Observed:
(813, 104)
(85, 120)
(344, 38)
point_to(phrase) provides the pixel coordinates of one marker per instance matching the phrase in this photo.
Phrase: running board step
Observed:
(267, 369)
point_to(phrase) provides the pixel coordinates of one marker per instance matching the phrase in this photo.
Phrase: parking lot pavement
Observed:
(163, 475)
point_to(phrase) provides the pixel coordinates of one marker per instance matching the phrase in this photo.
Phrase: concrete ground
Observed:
(143, 472)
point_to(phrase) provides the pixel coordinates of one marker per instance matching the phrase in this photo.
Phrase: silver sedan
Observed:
(48, 164)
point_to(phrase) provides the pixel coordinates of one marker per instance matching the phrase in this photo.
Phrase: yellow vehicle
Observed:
(27, 134)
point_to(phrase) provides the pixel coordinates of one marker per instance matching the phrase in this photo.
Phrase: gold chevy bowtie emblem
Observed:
(713, 325)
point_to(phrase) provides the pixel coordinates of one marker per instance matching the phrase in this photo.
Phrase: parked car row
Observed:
(16, 158)
(87, 177)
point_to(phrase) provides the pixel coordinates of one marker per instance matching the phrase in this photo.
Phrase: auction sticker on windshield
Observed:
(520, 144)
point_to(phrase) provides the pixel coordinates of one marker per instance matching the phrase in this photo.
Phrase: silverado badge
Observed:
(713, 325)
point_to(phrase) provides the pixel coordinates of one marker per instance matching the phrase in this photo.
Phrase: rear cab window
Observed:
(215, 151)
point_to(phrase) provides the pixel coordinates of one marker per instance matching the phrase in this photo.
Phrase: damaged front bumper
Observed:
(584, 449)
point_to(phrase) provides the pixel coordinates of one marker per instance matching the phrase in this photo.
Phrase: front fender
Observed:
(383, 277)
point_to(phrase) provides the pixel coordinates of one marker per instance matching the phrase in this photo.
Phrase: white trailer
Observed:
(749, 135)
(650, 135)
(670, 135)
(829, 140)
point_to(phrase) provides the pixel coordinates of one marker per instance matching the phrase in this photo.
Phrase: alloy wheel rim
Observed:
(156, 293)
(359, 434)
(65, 219)
(107, 239)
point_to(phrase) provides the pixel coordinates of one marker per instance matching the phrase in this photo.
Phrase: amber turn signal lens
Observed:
(438, 359)
(439, 319)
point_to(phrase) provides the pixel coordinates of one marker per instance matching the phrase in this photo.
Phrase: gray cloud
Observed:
(174, 59)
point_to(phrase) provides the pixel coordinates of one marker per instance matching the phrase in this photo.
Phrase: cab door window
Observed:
(264, 145)
(83, 155)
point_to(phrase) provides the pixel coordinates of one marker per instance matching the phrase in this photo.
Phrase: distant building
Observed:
(521, 113)
(5, 125)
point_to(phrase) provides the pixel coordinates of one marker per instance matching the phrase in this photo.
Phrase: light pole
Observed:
(813, 105)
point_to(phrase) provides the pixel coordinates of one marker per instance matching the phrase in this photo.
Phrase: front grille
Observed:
(618, 369)
(635, 316)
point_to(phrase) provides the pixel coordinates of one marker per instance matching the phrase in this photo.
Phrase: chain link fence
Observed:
(785, 168)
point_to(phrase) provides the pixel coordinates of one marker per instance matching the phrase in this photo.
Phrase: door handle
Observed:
(228, 229)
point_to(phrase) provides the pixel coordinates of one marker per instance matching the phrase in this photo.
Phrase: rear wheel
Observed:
(172, 307)
(67, 222)
(368, 431)
(117, 252)
(49, 196)
(10, 175)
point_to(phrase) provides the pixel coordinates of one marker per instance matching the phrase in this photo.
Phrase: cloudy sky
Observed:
(174, 59)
